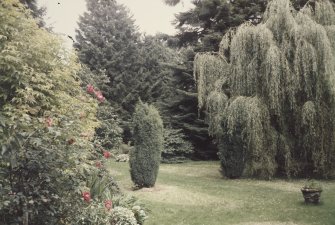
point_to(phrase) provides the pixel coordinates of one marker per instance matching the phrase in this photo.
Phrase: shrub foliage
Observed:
(269, 93)
(50, 171)
(176, 147)
(148, 142)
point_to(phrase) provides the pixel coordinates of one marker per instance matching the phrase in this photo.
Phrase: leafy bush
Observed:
(148, 142)
(176, 147)
(312, 184)
(130, 202)
(47, 124)
(123, 216)
(109, 133)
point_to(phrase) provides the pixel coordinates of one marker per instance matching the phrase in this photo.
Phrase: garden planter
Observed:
(311, 195)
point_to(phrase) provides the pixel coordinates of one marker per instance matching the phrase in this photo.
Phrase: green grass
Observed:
(194, 193)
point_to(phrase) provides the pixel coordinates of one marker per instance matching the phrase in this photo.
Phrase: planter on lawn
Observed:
(311, 195)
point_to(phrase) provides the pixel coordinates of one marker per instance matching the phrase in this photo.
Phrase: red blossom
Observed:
(48, 122)
(98, 164)
(90, 89)
(87, 196)
(99, 96)
(108, 204)
(71, 141)
(107, 154)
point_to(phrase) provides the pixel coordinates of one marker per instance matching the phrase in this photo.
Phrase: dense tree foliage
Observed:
(36, 11)
(204, 25)
(108, 41)
(40, 100)
(109, 133)
(178, 105)
(50, 171)
(148, 142)
(176, 146)
(269, 93)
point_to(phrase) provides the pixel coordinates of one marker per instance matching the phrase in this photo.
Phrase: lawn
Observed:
(194, 193)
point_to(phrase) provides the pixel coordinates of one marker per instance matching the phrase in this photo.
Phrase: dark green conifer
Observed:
(148, 143)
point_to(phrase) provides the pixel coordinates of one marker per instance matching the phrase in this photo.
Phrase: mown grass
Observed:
(194, 193)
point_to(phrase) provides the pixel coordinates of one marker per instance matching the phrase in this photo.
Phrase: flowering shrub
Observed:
(90, 89)
(123, 216)
(107, 154)
(48, 122)
(87, 196)
(108, 204)
(98, 94)
(98, 164)
(45, 160)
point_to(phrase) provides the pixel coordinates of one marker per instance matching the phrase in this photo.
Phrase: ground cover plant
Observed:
(184, 194)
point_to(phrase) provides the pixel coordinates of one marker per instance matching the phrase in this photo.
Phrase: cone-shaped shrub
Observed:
(148, 140)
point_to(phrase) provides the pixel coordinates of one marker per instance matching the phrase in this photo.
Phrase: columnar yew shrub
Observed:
(148, 143)
(269, 93)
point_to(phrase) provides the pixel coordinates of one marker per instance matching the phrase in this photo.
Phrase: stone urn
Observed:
(311, 195)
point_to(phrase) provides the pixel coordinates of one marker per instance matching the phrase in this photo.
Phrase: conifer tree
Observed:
(178, 105)
(269, 93)
(107, 40)
(148, 142)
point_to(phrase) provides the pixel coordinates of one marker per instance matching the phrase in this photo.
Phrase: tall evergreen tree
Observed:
(178, 105)
(107, 39)
(270, 100)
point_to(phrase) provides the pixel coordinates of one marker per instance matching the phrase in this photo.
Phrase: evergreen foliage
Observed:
(270, 101)
(176, 146)
(107, 40)
(178, 104)
(204, 25)
(148, 142)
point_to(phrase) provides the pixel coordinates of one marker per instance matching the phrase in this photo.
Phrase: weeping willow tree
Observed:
(269, 93)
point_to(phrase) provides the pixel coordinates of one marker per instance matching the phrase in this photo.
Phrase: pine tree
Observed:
(107, 39)
(178, 105)
(269, 93)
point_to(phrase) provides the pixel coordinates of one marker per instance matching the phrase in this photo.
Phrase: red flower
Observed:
(71, 141)
(87, 196)
(90, 89)
(98, 164)
(107, 154)
(99, 96)
(48, 121)
(108, 204)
